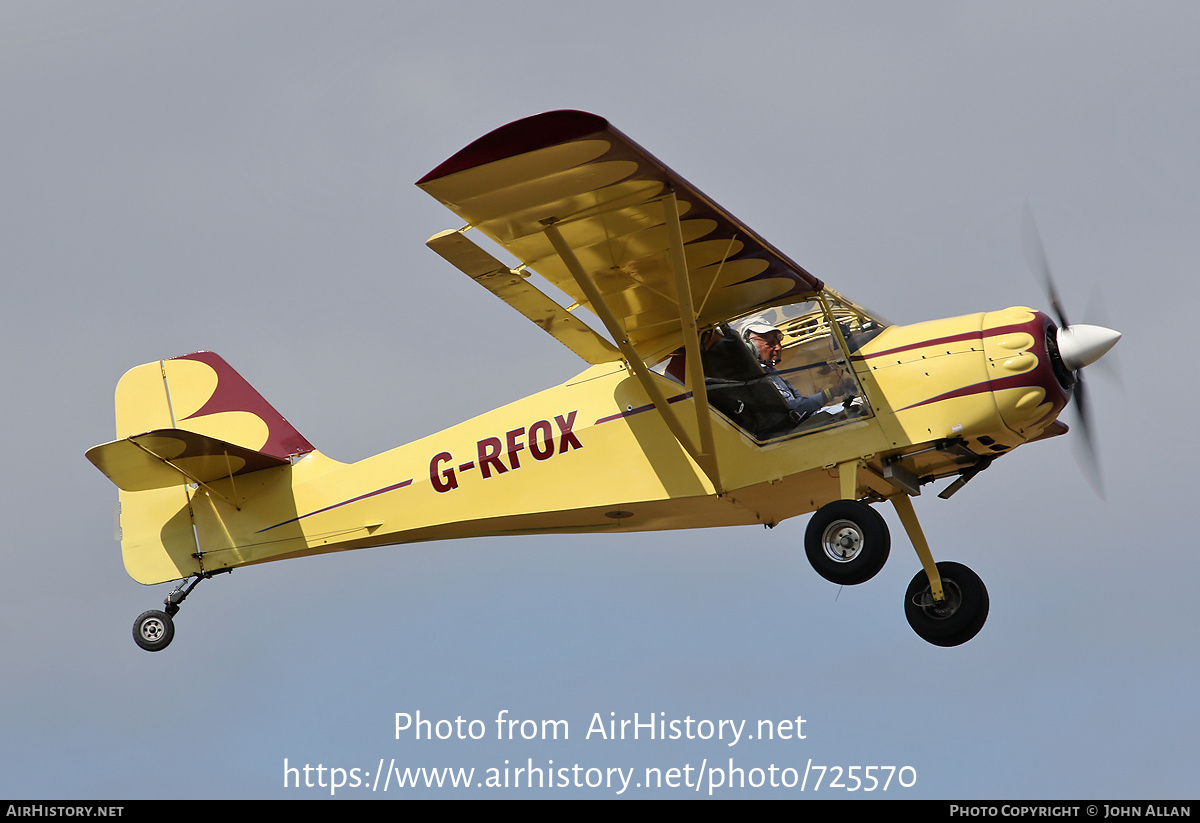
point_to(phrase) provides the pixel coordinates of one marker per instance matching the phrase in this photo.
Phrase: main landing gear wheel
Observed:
(955, 620)
(153, 630)
(847, 542)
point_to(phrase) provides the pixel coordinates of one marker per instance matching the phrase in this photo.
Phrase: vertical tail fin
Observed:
(202, 393)
(199, 393)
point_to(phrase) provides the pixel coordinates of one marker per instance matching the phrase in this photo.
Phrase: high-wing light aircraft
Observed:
(675, 423)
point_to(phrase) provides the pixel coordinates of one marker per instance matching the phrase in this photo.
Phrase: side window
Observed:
(813, 386)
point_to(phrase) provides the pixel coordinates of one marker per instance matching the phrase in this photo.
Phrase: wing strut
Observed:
(691, 336)
(706, 461)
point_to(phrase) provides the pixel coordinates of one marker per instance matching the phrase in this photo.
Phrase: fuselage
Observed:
(593, 454)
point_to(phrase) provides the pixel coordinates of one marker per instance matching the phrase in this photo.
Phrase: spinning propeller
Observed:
(1077, 345)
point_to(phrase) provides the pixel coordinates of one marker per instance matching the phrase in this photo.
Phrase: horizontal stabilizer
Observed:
(169, 457)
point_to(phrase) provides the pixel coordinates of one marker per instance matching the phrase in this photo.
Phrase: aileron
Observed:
(523, 296)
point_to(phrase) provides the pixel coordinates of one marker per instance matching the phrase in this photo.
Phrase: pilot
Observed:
(766, 343)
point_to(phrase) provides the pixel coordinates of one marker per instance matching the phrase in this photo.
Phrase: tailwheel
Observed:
(955, 619)
(847, 542)
(153, 630)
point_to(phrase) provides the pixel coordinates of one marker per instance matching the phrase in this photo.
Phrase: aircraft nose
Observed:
(1081, 345)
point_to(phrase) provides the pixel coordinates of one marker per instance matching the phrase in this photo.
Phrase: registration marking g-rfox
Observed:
(538, 438)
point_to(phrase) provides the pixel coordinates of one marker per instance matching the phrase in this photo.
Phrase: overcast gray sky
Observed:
(239, 177)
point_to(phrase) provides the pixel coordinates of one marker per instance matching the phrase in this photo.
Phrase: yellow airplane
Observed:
(732, 388)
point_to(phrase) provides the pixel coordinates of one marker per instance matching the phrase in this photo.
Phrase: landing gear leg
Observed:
(908, 516)
(946, 603)
(154, 630)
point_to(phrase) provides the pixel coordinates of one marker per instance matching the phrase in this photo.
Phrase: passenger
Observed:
(766, 344)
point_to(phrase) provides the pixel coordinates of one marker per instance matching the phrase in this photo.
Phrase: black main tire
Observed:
(153, 630)
(847, 542)
(955, 620)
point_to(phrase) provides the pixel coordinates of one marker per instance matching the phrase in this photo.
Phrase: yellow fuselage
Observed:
(593, 454)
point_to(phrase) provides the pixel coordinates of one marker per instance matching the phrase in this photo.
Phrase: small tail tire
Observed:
(153, 630)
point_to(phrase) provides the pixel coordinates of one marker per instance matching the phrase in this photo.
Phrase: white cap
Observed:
(758, 326)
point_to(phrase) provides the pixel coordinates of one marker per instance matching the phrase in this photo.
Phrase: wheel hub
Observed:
(153, 629)
(947, 607)
(842, 541)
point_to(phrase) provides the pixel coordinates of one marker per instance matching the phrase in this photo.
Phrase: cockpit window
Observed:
(811, 387)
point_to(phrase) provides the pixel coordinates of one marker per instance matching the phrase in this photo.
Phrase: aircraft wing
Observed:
(609, 201)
